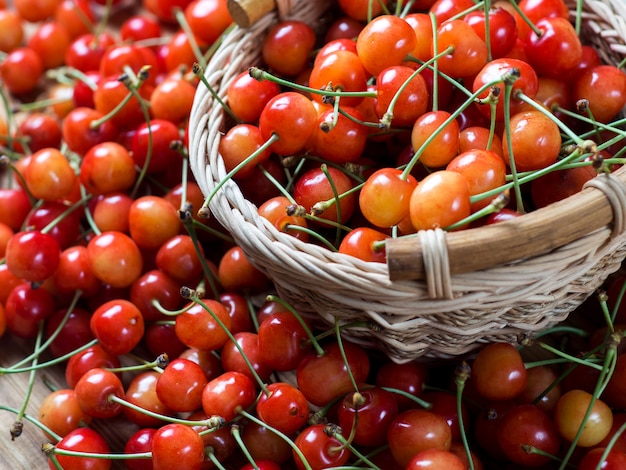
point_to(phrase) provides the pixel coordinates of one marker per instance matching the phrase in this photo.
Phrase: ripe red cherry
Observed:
(197, 328)
(86, 440)
(291, 117)
(282, 341)
(319, 449)
(180, 385)
(431, 206)
(139, 442)
(498, 372)
(177, 446)
(26, 307)
(495, 70)
(415, 430)
(412, 101)
(49, 175)
(385, 196)
(372, 411)
(285, 408)
(604, 87)
(115, 258)
(287, 47)
(528, 425)
(384, 42)
(247, 97)
(141, 392)
(92, 357)
(107, 168)
(118, 326)
(233, 359)
(314, 187)
(152, 221)
(61, 413)
(364, 243)
(435, 459)
(502, 29)
(228, 393)
(333, 367)
(32, 255)
(94, 390)
(557, 50)
(21, 70)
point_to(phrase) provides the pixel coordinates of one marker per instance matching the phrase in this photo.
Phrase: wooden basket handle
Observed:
(538, 232)
(247, 12)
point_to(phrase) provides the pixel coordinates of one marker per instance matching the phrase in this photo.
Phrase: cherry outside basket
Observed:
(440, 294)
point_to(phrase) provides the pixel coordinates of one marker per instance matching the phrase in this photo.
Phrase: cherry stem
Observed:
(385, 121)
(182, 22)
(69, 75)
(496, 205)
(88, 215)
(335, 431)
(31, 199)
(25, 107)
(104, 21)
(236, 433)
(198, 71)
(210, 453)
(213, 422)
(260, 75)
(280, 434)
(191, 295)
(343, 354)
(618, 301)
(273, 138)
(209, 275)
(52, 362)
(435, 66)
(311, 233)
(54, 222)
(569, 357)
(214, 232)
(421, 402)
(157, 365)
(314, 342)
(508, 87)
(522, 15)
(277, 184)
(50, 450)
(462, 373)
(605, 375)
(34, 421)
(53, 336)
(170, 313)
(529, 449)
(418, 152)
(16, 429)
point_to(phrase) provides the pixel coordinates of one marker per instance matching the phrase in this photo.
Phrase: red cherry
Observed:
(227, 393)
(319, 449)
(85, 440)
(94, 390)
(284, 408)
(32, 255)
(177, 445)
(118, 325)
(180, 385)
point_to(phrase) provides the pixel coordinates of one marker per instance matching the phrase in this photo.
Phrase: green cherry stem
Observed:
(210, 453)
(52, 362)
(314, 343)
(211, 422)
(50, 450)
(385, 121)
(343, 354)
(34, 421)
(17, 427)
(88, 215)
(611, 444)
(259, 74)
(462, 373)
(273, 138)
(335, 431)
(209, 275)
(311, 233)
(198, 71)
(54, 334)
(569, 357)
(605, 374)
(182, 22)
(508, 87)
(522, 15)
(157, 365)
(498, 203)
(191, 295)
(419, 401)
(235, 431)
(289, 441)
(418, 152)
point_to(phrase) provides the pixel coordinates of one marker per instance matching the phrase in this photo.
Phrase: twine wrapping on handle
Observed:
(436, 263)
(615, 191)
(247, 12)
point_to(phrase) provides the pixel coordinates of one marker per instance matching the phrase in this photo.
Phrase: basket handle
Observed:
(247, 12)
(598, 205)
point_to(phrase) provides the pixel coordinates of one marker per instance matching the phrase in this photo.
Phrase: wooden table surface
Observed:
(24, 453)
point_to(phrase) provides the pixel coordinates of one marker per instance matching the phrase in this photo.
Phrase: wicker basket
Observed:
(474, 286)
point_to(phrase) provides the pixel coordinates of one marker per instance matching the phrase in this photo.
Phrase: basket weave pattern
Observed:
(490, 305)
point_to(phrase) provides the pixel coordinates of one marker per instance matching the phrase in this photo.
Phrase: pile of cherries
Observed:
(403, 116)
